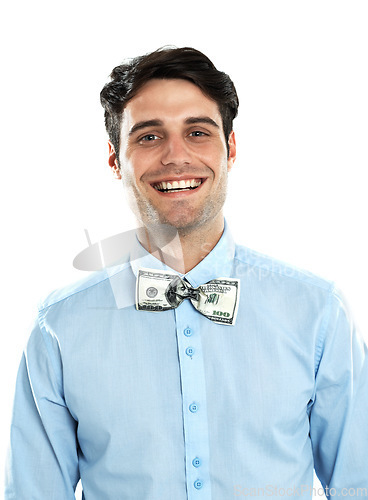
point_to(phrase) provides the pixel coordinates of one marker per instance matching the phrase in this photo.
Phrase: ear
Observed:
(232, 151)
(113, 162)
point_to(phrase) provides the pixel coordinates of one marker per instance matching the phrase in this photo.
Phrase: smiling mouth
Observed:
(170, 186)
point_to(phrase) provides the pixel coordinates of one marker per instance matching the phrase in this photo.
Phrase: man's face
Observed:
(173, 155)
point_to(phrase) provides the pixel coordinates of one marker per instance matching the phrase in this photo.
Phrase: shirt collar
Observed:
(217, 264)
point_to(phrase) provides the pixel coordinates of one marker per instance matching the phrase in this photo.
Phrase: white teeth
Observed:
(177, 185)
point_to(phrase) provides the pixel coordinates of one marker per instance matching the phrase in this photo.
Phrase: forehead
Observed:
(169, 99)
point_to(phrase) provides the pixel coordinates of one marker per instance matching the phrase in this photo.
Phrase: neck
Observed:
(182, 249)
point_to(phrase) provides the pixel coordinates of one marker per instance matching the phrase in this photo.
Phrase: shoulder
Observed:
(80, 289)
(265, 267)
(281, 290)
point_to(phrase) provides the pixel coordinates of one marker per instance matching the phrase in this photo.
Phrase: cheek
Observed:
(214, 155)
(141, 162)
(133, 167)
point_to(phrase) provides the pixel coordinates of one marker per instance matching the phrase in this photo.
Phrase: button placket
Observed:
(194, 401)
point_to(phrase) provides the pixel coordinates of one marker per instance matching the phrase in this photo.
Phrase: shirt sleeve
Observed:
(339, 413)
(43, 454)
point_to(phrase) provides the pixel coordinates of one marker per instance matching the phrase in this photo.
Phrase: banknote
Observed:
(160, 291)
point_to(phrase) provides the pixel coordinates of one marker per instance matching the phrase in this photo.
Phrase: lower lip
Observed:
(180, 194)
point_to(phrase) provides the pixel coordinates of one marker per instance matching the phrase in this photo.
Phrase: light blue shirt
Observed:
(114, 396)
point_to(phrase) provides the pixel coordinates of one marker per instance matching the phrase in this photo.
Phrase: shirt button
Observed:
(196, 462)
(189, 351)
(188, 332)
(198, 484)
(193, 407)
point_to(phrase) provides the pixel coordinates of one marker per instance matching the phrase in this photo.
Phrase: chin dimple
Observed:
(182, 185)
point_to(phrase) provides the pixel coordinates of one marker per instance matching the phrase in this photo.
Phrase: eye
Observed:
(197, 133)
(148, 138)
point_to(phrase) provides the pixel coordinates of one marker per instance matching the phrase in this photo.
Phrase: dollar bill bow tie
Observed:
(159, 291)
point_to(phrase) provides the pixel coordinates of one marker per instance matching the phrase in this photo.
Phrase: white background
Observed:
(299, 188)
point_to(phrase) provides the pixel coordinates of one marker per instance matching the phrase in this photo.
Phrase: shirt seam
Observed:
(43, 331)
(322, 334)
(328, 284)
(42, 307)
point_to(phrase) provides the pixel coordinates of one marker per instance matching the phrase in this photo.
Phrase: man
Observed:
(186, 403)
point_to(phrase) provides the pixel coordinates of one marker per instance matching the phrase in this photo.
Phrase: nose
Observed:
(176, 152)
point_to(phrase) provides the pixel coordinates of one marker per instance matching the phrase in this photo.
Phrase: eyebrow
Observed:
(192, 120)
(201, 119)
(145, 124)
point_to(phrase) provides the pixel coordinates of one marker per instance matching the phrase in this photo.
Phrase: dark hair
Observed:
(185, 63)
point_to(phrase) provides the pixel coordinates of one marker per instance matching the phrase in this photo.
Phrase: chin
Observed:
(184, 219)
(186, 224)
